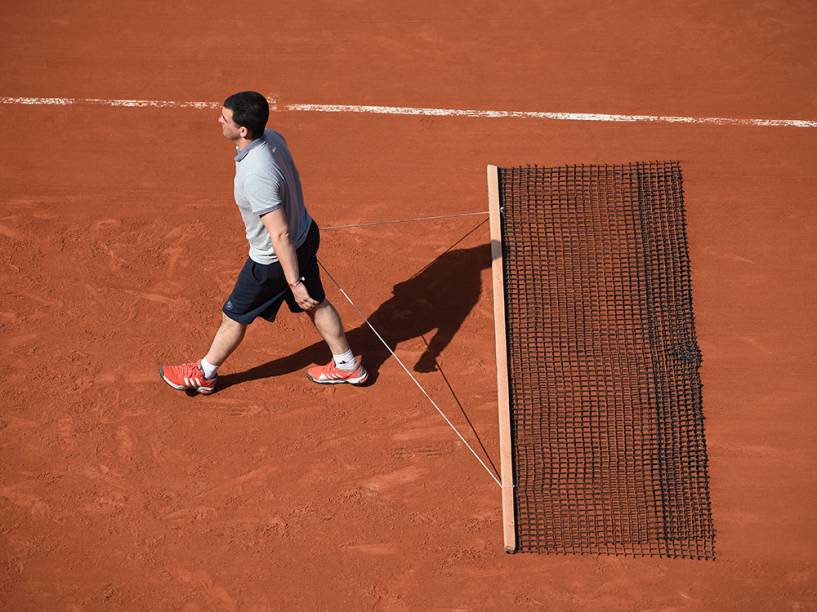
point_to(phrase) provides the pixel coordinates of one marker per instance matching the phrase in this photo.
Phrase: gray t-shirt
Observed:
(266, 179)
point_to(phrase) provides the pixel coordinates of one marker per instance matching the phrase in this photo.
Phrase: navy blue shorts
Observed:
(262, 288)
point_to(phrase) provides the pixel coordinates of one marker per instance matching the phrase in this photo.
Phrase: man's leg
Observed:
(229, 335)
(202, 375)
(343, 368)
(330, 327)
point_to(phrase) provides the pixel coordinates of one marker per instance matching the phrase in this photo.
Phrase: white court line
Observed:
(491, 114)
(106, 102)
(433, 112)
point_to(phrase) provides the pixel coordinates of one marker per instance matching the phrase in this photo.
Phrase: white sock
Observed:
(209, 369)
(346, 361)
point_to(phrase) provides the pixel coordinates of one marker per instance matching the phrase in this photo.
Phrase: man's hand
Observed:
(276, 224)
(302, 297)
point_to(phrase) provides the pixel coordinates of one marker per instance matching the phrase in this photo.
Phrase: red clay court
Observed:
(119, 240)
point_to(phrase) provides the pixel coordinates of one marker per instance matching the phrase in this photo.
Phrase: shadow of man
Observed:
(439, 297)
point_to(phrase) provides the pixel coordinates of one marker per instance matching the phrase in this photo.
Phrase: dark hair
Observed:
(250, 110)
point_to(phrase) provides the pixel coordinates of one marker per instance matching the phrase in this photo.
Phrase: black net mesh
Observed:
(605, 394)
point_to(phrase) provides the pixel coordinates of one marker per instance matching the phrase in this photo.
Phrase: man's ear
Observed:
(243, 132)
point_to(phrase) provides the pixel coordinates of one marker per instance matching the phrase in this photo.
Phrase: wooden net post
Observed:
(506, 460)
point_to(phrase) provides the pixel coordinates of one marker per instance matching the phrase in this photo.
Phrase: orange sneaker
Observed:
(188, 376)
(330, 374)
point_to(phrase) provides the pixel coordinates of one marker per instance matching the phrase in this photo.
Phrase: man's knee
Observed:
(325, 304)
(228, 323)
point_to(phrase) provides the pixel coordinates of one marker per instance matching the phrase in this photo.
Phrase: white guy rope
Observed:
(402, 365)
(391, 222)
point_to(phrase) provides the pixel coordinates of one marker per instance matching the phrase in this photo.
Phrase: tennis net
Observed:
(605, 399)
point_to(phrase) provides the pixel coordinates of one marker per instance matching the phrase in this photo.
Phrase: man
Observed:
(282, 265)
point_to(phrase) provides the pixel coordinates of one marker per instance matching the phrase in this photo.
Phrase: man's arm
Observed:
(276, 224)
